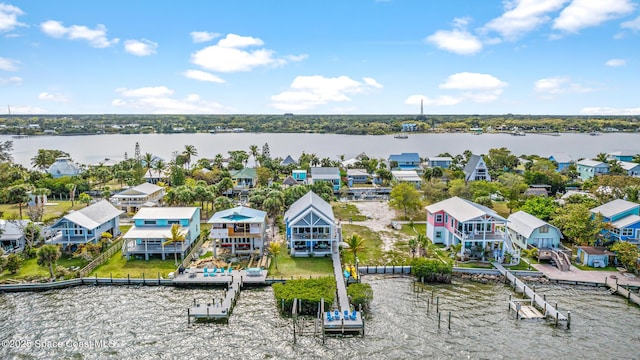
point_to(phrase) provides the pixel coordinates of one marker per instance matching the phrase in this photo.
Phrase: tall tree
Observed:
(355, 243)
(404, 196)
(18, 194)
(48, 255)
(578, 223)
(189, 152)
(177, 236)
(6, 148)
(274, 251)
(627, 253)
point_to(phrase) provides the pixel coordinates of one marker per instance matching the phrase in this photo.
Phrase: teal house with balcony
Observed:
(300, 176)
(624, 218)
(310, 227)
(587, 169)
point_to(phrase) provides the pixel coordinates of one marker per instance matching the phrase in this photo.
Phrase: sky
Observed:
(555, 57)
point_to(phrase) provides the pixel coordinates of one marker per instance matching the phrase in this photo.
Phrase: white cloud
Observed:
(458, 40)
(11, 80)
(581, 14)
(308, 92)
(295, 58)
(609, 111)
(523, 16)
(549, 87)
(26, 109)
(140, 47)
(616, 62)
(480, 88)
(228, 55)
(442, 100)
(96, 37)
(203, 36)
(8, 64)
(9, 17)
(52, 97)
(202, 76)
(158, 100)
(632, 24)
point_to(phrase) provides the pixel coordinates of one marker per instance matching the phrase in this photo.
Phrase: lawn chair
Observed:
(336, 315)
(205, 272)
(345, 314)
(354, 315)
(329, 317)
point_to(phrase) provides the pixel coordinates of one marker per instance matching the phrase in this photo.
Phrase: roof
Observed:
(310, 199)
(165, 213)
(533, 191)
(143, 189)
(626, 221)
(406, 175)
(615, 207)
(440, 158)
(623, 153)
(63, 166)
(240, 214)
(592, 163)
(561, 158)
(289, 181)
(627, 165)
(349, 162)
(357, 172)
(246, 173)
(94, 215)
(288, 160)
(405, 157)
(525, 224)
(155, 174)
(594, 250)
(318, 173)
(148, 232)
(462, 209)
(472, 164)
(11, 230)
(570, 193)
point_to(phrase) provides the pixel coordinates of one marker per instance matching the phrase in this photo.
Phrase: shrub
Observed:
(309, 291)
(13, 263)
(360, 294)
(432, 270)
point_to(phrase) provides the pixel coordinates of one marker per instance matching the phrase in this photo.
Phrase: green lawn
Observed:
(474, 265)
(521, 266)
(300, 266)
(31, 270)
(346, 211)
(415, 230)
(372, 251)
(50, 211)
(119, 267)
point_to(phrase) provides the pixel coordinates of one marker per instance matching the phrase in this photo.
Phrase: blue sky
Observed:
(320, 57)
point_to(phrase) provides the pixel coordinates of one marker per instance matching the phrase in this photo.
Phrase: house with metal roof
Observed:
(244, 179)
(86, 225)
(525, 229)
(625, 155)
(590, 168)
(404, 161)
(476, 169)
(139, 196)
(12, 237)
(153, 176)
(288, 161)
(152, 227)
(408, 176)
(328, 174)
(242, 230)
(64, 166)
(478, 228)
(632, 169)
(310, 227)
(358, 176)
(299, 175)
(624, 218)
(563, 160)
(439, 161)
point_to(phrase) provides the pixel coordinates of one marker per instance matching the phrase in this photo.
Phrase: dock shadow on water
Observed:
(151, 322)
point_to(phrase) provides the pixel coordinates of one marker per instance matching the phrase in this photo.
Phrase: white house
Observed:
(241, 229)
(476, 169)
(143, 195)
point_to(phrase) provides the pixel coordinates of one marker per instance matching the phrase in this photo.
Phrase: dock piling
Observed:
(438, 304)
(439, 320)
(188, 316)
(449, 320)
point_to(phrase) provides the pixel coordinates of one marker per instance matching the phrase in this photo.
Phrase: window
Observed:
(544, 229)
(627, 232)
(438, 234)
(438, 218)
(149, 222)
(446, 218)
(171, 222)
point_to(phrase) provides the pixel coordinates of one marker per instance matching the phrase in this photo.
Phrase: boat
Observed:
(594, 133)
(401, 136)
(518, 133)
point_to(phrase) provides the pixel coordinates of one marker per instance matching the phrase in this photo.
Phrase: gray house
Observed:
(476, 169)
(86, 225)
(12, 235)
(525, 229)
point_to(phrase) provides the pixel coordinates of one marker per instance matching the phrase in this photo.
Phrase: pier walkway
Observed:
(536, 300)
(344, 319)
(622, 291)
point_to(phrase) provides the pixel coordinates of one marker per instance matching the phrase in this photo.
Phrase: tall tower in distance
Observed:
(421, 117)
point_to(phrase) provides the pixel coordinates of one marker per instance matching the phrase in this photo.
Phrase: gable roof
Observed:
(94, 215)
(440, 158)
(319, 173)
(246, 173)
(525, 224)
(462, 209)
(406, 175)
(155, 174)
(615, 207)
(165, 213)
(310, 199)
(561, 158)
(626, 221)
(471, 165)
(11, 229)
(289, 181)
(592, 163)
(405, 157)
(239, 214)
(357, 172)
(142, 189)
(288, 160)
(628, 166)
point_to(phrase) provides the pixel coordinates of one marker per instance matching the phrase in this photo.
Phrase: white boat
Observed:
(401, 136)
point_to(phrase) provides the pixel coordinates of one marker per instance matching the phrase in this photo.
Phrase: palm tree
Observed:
(274, 251)
(456, 249)
(601, 157)
(355, 244)
(72, 192)
(424, 243)
(178, 235)
(18, 194)
(413, 246)
(189, 152)
(47, 256)
(148, 161)
(253, 149)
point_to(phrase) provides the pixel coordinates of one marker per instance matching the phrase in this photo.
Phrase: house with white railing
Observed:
(242, 230)
(137, 197)
(311, 227)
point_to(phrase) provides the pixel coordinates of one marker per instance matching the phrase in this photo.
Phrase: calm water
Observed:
(151, 322)
(92, 149)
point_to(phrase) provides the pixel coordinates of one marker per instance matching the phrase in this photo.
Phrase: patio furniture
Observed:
(336, 315)
(346, 314)
(354, 315)
(329, 317)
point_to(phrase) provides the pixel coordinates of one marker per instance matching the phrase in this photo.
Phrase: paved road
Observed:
(576, 274)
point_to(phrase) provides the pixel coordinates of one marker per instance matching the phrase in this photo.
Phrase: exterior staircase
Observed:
(561, 259)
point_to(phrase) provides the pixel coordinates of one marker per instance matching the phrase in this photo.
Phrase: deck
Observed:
(196, 277)
(341, 323)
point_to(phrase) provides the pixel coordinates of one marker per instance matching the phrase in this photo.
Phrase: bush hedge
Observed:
(360, 294)
(309, 291)
(431, 270)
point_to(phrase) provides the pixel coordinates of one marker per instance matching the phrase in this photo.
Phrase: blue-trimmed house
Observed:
(327, 174)
(300, 176)
(152, 228)
(563, 160)
(621, 155)
(590, 168)
(594, 256)
(86, 225)
(476, 169)
(241, 229)
(525, 229)
(624, 217)
(311, 227)
(405, 161)
(632, 169)
(440, 161)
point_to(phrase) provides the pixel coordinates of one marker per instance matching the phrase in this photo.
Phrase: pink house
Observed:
(479, 229)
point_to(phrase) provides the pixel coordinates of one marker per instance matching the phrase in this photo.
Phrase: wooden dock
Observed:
(538, 301)
(343, 320)
(614, 288)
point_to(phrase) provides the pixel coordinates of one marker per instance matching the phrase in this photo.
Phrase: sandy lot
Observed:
(379, 217)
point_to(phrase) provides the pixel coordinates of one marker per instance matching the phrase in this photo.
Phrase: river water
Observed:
(92, 149)
(151, 323)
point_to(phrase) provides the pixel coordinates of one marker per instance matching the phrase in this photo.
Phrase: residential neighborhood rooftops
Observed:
(471, 164)
(319, 173)
(148, 232)
(626, 221)
(246, 173)
(615, 207)
(525, 224)
(165, 213)
(594, 250)
(592, 163)
(357, 172)
(288, 161)
(405, 157)
(462, 209)
(141, 190)
(94, 215)
(11, 229)
(627, 165)
(240, 214)
(561, 158)
(310, 199)
(406, 175)
(440, 158)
